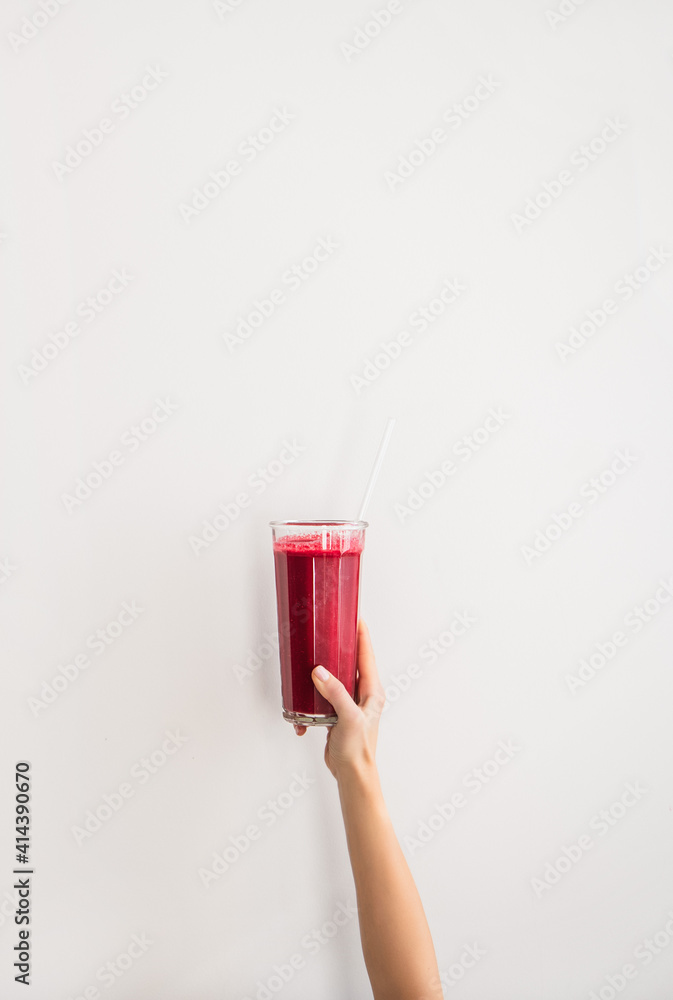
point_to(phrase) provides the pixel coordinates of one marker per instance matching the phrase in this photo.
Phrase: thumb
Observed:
(331, 688)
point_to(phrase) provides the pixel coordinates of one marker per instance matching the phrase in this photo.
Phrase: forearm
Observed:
(396, 941)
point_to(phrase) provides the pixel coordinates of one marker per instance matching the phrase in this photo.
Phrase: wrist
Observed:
(361, 774)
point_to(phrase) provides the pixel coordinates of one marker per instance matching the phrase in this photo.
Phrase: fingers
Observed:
(370, 688)
(299, 730)
(333, 690)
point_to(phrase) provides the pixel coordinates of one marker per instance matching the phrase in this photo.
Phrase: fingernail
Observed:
(321, 673)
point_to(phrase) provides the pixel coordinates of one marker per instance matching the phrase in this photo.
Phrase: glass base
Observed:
(298, 719)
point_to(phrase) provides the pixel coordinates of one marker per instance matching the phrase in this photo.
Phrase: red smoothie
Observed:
(317, 582)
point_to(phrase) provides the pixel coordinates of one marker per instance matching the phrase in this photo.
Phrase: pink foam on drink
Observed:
(331, 541)
(317, 581)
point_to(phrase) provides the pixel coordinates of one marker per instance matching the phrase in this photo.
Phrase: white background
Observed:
(73, 565)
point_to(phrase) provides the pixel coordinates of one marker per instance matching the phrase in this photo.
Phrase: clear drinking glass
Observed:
(317, 565)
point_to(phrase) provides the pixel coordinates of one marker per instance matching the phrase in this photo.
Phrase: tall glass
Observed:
(317, 567)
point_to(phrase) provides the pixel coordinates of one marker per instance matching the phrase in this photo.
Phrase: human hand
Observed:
(351, 742)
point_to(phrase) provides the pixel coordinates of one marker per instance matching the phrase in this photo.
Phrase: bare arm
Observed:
(396, 941)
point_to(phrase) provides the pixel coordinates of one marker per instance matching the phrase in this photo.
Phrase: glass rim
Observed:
(313, 524)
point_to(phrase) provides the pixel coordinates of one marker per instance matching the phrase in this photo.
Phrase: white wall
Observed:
(468, 549)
